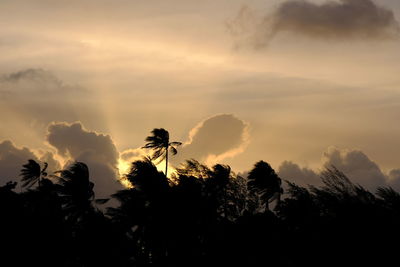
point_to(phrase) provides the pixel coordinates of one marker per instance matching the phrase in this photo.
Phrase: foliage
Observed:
(263, 181)
(201, 216)
(32, 173)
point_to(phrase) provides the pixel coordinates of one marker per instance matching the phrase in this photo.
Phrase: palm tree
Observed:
(32, 173)
(145, 177)
(263, 181)
(218, 180)
(144, 208)
(159, 142)
(76, 191)
(220, 175)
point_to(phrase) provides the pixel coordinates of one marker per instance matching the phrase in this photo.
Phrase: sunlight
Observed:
(147, 54)
(125, 183)
(123, 167)
(161, 168)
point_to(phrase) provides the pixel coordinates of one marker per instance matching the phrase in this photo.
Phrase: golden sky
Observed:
(293, 85)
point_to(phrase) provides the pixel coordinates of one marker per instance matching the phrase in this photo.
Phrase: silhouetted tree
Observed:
(143, 211)
(76, 190)
(160, 144)
(263, 181)
(390, 197)
(223, 188)
(192, 168)
(203, 216)
(145, 177)
(32, 173)
(219, 177)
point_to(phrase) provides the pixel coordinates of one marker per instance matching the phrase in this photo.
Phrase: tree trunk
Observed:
(166, 163)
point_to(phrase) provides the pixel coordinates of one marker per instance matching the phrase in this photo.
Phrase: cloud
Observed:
(32, 77)
(334, 20)
(394, 179)
(11, 160)
(27, 96)
(35, 81)
(97, 150)
(130, 155)
(211, 141)
(53, 164)
(301, 176)
(127, 157)
(215, 139)
(354, 163)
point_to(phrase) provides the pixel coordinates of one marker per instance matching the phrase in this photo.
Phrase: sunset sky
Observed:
(298, 84)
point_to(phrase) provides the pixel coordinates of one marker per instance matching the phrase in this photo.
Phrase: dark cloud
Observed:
(34, 81)
(301, 176)
(354, 163)
(11, 160)
(218, 137)
(359, 168)
(33, 76)
(335, 20)
(97, 150)
(35, 90)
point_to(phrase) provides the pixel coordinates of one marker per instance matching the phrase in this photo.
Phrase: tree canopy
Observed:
(200, 216)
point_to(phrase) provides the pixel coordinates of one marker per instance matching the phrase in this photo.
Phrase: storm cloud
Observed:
(97, 150)
(356, 165)
(332, 20)
(35, 81)
(300, 175)
(11, 160)
(394, 179)
(353, 163)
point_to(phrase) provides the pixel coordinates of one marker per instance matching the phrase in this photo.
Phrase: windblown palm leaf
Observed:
(76, 190)
(193, 168)
(32, 173)
(390, 197)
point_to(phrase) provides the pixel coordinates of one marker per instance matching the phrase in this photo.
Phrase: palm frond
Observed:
(173, 150)
(158, 141)
(30, 173)
(75, 190)
(175, 143)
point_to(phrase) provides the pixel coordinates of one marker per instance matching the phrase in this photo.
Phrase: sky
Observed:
(299, 84)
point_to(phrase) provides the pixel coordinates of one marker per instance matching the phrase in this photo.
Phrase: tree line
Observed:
(200, 216)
